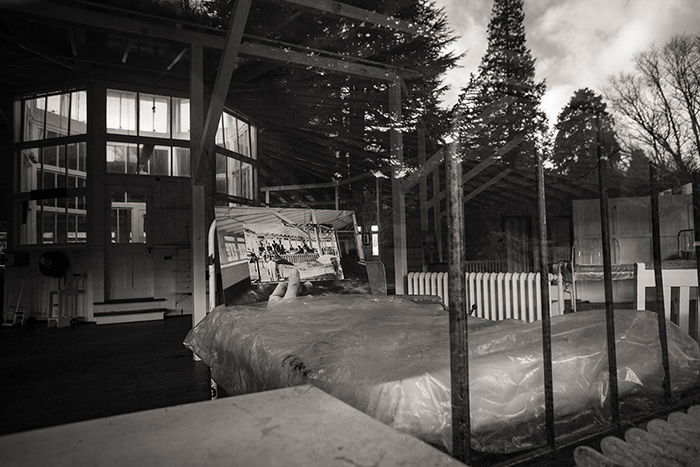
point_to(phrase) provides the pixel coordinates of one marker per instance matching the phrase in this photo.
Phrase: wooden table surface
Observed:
(300, 426)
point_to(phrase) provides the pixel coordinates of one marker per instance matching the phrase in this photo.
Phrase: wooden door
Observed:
(128, 259)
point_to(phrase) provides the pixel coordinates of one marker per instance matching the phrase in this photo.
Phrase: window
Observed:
(48, 219)
(54, 116)
(121, 112)
(152, 116)
(128, 218)
(147, 159)
(237, 142)
(235, 248)
(234, 177)
(143, 114)
(237, 136)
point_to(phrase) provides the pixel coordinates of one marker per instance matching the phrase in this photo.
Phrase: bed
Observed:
(389, 357)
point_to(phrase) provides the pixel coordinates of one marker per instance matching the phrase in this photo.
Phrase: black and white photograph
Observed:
(272, 233)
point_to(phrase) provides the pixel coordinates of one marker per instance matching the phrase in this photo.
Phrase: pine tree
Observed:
(575, 145)
(501, 103)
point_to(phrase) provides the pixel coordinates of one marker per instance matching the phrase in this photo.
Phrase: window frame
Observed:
(69, 208)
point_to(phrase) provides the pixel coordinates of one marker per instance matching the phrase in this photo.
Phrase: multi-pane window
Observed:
(142, 114)
(237, 136)
(128, 218)
(152, 116)
(55, 115)
(236, 142)
(235, 248)
(234, 177)
(52, 169)
(147, 159)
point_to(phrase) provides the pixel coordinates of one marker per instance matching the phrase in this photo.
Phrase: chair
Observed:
(376, 275)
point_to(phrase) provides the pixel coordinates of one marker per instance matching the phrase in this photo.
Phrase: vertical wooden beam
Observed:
(337, 198)
(437, 214)
(398, 201)
(227, 63)
(695, 179)
(423, 196)
(659, 277)
(607, 275)
(546, 303)
(459, 341)
(199, 227)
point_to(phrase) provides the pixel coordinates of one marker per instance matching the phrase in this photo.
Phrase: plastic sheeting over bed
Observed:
(389, 357)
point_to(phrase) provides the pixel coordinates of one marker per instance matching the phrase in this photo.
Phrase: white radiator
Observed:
(495, 295)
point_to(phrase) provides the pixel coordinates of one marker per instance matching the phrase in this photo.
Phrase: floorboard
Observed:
(52, 376)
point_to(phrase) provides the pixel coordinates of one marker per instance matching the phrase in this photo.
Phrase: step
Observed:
(129, 304)
(129, 316)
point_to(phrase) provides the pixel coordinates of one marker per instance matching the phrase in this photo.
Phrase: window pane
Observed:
(53, 221)
(121, 157)
(234, 176)
(121, 112)
(81, 229)
(154, 115)
(181, 162)
(220, 132)
(57, 108)
(76, 158)
(128, 218)
(247, 190)
(230, 132)
(253, 141)
(77, 227)
(34, 118)
(78, 113)
(181, 118)
(154, 160)
(54, 170)
(30, 169)
(243, 142)
(221, 184)
(30, 227)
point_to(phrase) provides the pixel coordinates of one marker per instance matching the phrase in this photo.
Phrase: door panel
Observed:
(129, 263)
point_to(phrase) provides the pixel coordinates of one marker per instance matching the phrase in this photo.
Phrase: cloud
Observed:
(577, 43)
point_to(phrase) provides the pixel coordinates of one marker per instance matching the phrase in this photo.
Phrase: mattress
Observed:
(389, 357)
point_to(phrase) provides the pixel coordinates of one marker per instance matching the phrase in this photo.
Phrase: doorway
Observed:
(128, 258)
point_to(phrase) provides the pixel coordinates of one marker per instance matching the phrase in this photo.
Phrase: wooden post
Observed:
(659, 277)
(398, 201)
(423, 197)
(607, 275)
(546, 305)
(437, 213)
(459, 340)
(199, 224)
(337, 198)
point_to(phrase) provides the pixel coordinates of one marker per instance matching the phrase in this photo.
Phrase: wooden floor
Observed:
(56, 376)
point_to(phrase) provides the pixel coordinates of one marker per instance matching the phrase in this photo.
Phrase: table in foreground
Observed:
(299, 426)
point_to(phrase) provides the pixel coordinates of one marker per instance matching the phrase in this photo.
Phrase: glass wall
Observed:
(146, 134)
(236, 142)
(148, 116)
(53, 168)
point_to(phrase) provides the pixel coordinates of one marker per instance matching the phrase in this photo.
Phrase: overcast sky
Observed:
(576, 43)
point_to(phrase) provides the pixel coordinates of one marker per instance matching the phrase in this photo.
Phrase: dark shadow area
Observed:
(55, 376)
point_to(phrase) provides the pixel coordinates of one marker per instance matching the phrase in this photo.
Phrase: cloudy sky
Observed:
(577, 43)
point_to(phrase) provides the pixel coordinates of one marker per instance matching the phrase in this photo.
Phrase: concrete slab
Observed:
(300, 426)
